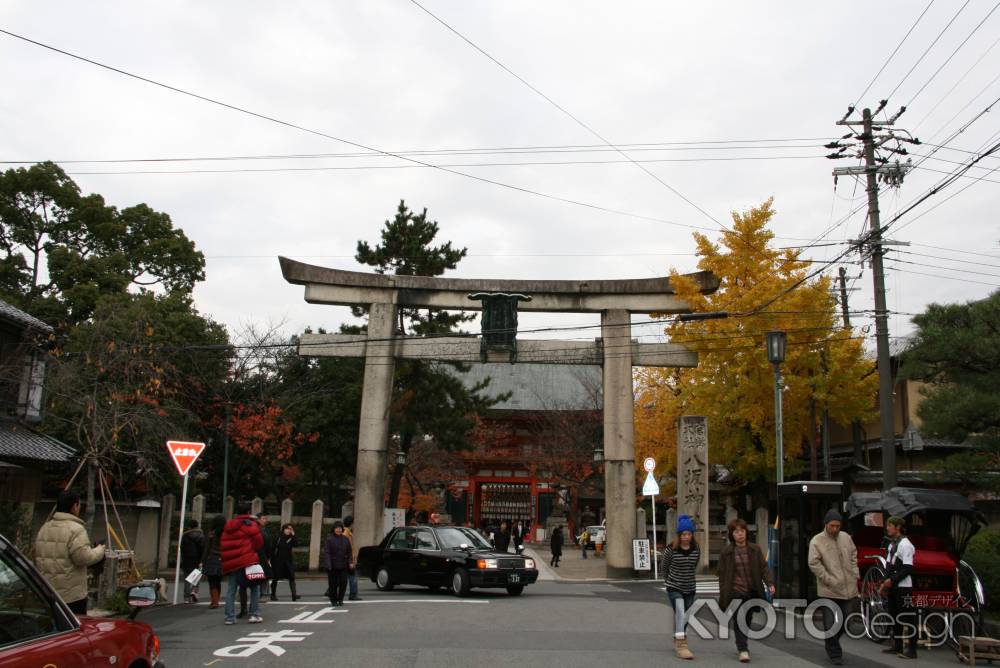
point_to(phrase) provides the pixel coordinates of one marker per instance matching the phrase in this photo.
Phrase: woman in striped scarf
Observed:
(679, 565)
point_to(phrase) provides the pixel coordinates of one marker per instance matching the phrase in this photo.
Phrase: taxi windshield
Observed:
(454, 537)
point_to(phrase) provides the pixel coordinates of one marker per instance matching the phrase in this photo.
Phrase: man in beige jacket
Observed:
(833, 559)
(63, 552)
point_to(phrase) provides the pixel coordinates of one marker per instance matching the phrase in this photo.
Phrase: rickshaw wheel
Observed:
(968, 618)
(874, 608)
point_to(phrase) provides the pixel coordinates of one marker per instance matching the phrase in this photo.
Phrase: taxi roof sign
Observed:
(184, 454)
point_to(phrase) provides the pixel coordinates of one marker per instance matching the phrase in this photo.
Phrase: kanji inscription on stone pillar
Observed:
(692, 475)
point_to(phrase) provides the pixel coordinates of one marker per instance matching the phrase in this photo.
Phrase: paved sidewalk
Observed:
(571, 565)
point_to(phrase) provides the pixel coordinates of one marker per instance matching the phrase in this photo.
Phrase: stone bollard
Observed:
(287, 506)
(198, 510)
(316, 535)
(229, 508)
(256, 506)
(166, 517)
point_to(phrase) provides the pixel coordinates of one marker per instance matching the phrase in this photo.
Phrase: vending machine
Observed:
(801, 507)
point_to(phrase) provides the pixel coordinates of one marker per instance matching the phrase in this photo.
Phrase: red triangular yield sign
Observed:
(184, 454)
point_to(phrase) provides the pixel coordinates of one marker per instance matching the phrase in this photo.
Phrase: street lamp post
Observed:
(776, 355)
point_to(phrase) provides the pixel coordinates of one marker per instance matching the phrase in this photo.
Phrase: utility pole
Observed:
(887, 427)
(893, 174)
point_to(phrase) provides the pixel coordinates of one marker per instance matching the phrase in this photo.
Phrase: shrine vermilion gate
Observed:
(616, 352)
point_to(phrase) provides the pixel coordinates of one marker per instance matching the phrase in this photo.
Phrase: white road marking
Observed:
(387, 600)
(314, 617)
(256, 642)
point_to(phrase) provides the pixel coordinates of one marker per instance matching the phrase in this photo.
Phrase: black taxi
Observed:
(444, 556)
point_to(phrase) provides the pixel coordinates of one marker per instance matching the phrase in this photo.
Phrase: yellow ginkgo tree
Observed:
(762, 288)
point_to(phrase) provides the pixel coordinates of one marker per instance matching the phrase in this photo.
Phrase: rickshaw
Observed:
(940, 525)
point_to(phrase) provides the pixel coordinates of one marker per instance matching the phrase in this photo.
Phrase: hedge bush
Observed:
(983, 554)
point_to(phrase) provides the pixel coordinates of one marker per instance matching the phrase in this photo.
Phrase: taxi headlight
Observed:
(529, 563)
(487, 563)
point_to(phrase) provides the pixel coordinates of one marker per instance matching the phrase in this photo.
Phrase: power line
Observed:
(948, 59)
(957, 250)
(928, 50)
(566, 112)
(721, 145)
(947, 95)
(947, 259)
(952, 278)
(325, 135)
(891, 55)
(964, 107)
(254, 170)
(938, 266)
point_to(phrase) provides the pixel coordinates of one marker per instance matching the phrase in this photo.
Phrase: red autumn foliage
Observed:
(263, 431)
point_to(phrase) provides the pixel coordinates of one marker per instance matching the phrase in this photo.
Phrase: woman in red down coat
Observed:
(241, 539)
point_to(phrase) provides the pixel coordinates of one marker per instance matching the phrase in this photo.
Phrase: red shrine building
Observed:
(537, 445)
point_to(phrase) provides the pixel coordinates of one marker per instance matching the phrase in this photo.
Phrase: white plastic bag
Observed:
(255, 573)
(194, 577)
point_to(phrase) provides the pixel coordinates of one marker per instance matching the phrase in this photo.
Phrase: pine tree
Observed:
(429, 398)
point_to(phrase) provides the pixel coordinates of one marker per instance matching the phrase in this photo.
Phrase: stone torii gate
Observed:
(615, 300)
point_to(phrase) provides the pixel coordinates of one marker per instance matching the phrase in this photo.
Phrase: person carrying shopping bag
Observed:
(743, 575)
(679, 566)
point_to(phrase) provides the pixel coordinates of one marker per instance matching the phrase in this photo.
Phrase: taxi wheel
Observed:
(515, 590)
(383, 581)
(460, 583)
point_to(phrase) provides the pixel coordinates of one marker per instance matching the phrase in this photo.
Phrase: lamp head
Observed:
(776, 347)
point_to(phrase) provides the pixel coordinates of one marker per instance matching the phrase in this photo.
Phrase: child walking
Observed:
(679, 565)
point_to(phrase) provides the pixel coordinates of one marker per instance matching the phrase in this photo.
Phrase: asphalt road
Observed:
(578, 625)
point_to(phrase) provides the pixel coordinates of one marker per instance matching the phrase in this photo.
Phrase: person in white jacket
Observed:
(833, 559)
(63, 552)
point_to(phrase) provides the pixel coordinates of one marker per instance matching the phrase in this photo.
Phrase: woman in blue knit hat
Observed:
(679, 565)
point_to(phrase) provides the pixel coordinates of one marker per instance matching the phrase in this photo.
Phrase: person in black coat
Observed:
(283, 561)
(519, 533)
(555, 545)
(502, 538)
(192, 547)
(340, 555)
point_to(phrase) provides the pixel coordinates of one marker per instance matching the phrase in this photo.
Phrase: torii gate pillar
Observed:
(373, 435)
(619, 439)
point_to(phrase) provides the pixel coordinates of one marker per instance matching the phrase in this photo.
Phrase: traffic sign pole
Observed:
(656, 565)
(184, 454)
(180, 535)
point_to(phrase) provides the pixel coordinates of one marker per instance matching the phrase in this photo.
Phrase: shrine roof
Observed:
(539, 387)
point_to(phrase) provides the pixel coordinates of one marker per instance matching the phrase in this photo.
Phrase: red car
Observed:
(38, 629)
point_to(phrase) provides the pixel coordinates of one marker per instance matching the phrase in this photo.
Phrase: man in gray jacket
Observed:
(833, 559)
(63, 552)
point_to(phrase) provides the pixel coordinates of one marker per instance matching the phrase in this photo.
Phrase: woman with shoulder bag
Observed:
(743, 575)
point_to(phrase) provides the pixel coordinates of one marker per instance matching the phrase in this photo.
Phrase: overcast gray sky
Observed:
(385, 74)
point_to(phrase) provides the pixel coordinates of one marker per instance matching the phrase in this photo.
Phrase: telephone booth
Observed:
(801, 507)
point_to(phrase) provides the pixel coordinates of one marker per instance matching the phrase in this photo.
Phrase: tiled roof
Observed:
(22, 444)
(16, 315)
(538, 387)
